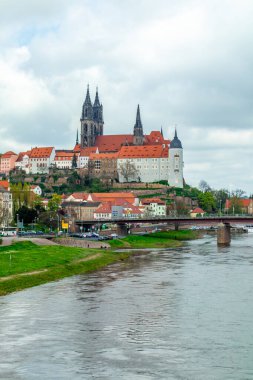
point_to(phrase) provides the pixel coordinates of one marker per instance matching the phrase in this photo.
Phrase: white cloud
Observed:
(186, 63)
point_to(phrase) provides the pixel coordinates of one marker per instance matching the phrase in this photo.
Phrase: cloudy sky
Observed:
(186, 62)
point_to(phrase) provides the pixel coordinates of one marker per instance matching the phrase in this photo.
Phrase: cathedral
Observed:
(155, 157)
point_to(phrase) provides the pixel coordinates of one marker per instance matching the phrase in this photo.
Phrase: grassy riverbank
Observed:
(24, 264)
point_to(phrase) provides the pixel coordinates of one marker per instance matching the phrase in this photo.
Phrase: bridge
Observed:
(223, 221)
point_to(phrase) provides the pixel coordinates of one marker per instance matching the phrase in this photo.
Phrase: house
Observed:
(153, 207)
(77, 197)
(8, 160)
(84, 156)
(6, 208)
(5, 184)
(103, 165)
(245, 205)
(36, 189)
(63, 159)
(147, 163)
(197, 212)
(118, 209)
(22, 162)
(80, 210)
(41, 159)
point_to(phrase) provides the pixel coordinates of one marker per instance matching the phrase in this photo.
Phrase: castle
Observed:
(129, 157)
(154, 157)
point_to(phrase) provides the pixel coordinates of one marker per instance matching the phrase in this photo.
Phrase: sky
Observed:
(188, 63)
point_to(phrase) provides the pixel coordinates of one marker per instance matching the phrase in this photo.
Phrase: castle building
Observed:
(153, 157)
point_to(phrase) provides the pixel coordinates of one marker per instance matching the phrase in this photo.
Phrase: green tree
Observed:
(54, 202)
(207, 201)
(74, 162)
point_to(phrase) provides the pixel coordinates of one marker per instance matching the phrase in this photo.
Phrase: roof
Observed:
(152, 200)
(22, 154)
(85, 152)
(242, 202)
(67, 156)
(197, 210)
(112, 143)
(143, 151)
(8, 154)
(77, 148)
(105, 208)
(44, 152)
(80, 195)
(111, 197)
(5, 184)
(155, 137)
(176, 143)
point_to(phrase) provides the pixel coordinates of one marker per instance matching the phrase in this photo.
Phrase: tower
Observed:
(176, 163)
(138, 130)
(91, 120)
(98, 115)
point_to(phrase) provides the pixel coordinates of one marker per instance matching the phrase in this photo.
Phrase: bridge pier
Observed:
(224, 234)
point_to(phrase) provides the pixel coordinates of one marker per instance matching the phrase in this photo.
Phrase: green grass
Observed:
(161, 239)
(50, 263)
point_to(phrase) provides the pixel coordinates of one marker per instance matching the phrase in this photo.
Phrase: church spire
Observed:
(162, 131)
(138, 123)
(77, 138)
(87, 110)
(96, 102)
(138, 130)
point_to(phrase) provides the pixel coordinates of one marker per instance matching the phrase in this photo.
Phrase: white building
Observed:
(22, 162)
(41, 159)
(176, 163)
(84, 156)
(6, 208)
(153, 207)
(63, 159)
(145, 163)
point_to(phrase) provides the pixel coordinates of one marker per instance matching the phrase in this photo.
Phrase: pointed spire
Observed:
(162, 131)
(87, 99)
(77, 138)
(96, 102)
(138, 123)
(176, 143)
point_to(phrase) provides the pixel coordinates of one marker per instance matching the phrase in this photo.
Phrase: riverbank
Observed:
(24, 264)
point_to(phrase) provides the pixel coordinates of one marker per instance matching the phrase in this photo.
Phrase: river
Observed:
(169, 314)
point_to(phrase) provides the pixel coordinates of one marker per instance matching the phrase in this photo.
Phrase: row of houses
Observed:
(109, 206)
(146, 164)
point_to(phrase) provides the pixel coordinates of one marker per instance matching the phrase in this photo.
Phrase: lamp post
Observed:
(17, 222)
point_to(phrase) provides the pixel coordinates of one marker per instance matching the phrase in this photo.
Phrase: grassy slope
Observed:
(56, 262)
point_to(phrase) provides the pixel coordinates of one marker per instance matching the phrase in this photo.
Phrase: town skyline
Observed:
(185, 63)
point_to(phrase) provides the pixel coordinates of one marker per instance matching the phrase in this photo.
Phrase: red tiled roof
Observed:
(44, 152)
(112, 197)
(5, 184)
(242, 203)
(197, 210)
(144, 151)
(155, 137)
(105, 208)
(22, 154)
(8, 154)
(112, 143)
(80, 195)
(77, 148)
(63, 156)
(85, 152)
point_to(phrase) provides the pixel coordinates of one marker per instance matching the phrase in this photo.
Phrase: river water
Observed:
(169, 314)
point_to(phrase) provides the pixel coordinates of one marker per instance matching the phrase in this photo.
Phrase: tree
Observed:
(207, 201)
(26, 214)
(128, 171)
(54, 202)
(74, 162)
(203, 186)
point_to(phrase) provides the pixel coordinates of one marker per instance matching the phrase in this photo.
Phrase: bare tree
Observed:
(128, 171)
(203, 186)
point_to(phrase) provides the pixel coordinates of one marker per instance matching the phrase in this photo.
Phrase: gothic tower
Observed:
(91, 120)
(176, 163)
(138, 130)
(98, 115)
